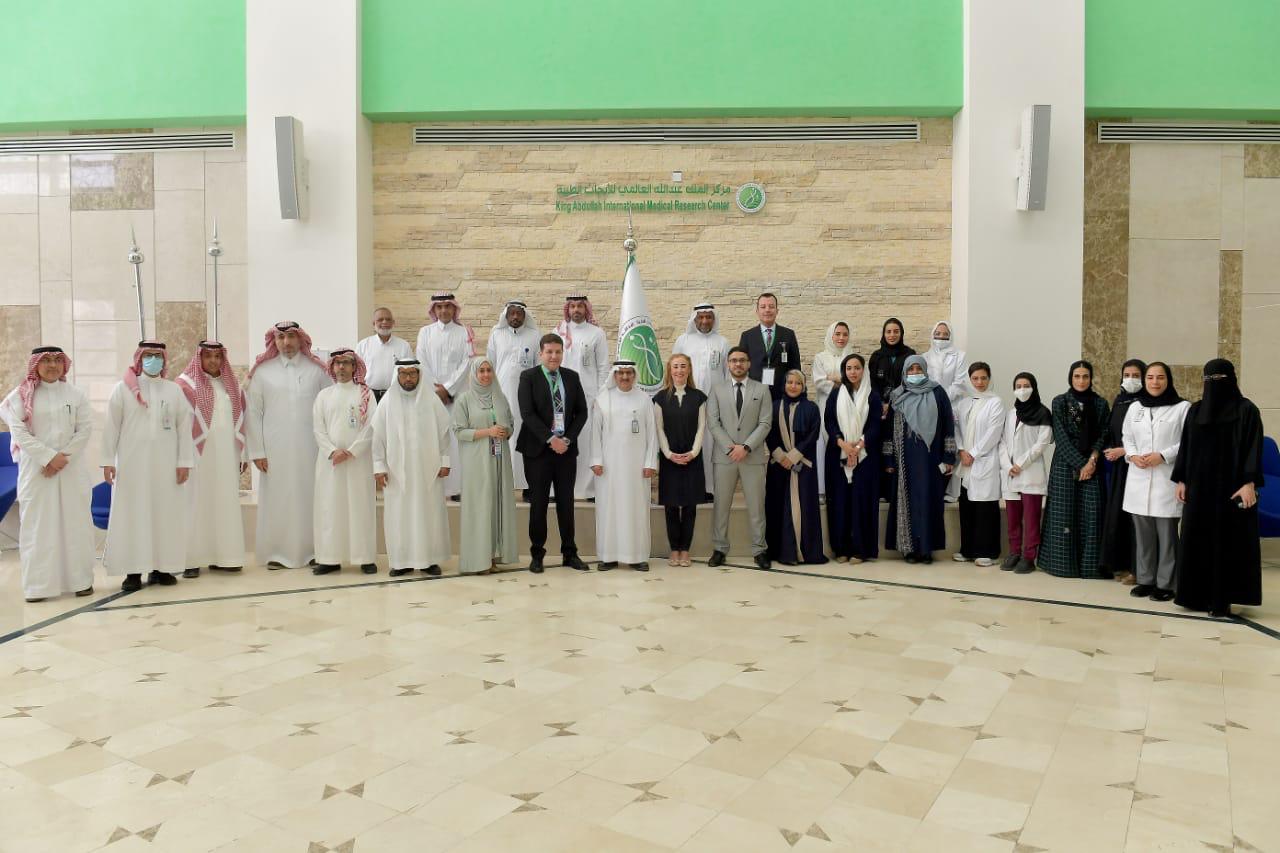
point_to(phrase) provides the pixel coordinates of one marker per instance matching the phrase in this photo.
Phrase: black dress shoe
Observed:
(524, 495)
(325, 569)
(1142, 590)
(399, 573)
(311, 562)
(607, 566)
(273, 566)
(225, 568)
(432, 570)
(717, 559)
(36, 600)
(535, 565)
(86, 591)
(640, 567)
(762, 560)
(132, 583)
(575, 562)
(1162, 595)
(707, 498)
(1221, 614)
(1025, 567)
(369, 568)
(911, 558)
(191, 573)
(162, 578)
(926, 558)
(1010, 563)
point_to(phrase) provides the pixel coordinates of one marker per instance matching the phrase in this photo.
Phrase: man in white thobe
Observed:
(147, 454)
(513, 348)
(380, 350)
(586, 352)
(445, 350)
(215, 523)
(283, 385)
(624, 459)
(410, 461)
(708, 350)
(344, 504)
(50, 421)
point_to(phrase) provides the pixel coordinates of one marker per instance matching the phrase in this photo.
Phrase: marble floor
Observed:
(877, 707)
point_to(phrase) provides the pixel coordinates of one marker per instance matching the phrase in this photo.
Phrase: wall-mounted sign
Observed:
(657, 198)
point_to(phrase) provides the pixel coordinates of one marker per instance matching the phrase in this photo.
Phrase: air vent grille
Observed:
(1203, 133)
(673, 134)
(118, 142)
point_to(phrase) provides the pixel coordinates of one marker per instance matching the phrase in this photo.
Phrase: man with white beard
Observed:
(215, 524)
(410, 461)
(513, 348)
(50, 421)
(707, 350)
(147, 453)
(624, 459)
(283, 384)
(344, 500)
(445, 349)
(586, 352)
(379, 352)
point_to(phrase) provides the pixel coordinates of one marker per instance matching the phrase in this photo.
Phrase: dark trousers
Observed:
(680, 526)
(544, 471)
(979, 527)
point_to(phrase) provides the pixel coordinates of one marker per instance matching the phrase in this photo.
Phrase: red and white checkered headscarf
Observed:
(27, 390)
(441, 298)
(563, 329)
(272, 351)
(197, 386)
(358, 378)
(134, 370)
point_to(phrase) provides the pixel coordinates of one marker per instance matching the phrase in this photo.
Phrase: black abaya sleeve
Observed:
(1179, 473)
(808, 426)
(946, 426)
(1248, 441)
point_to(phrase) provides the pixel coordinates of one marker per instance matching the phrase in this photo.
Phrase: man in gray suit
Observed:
(740, 414)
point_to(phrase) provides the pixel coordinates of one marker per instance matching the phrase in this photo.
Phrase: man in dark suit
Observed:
(553, 410)
(773, 348)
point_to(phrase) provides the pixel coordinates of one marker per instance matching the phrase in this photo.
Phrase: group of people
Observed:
(1151, 489)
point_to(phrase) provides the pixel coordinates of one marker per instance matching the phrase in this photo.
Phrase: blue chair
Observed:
(8, 476)
(1269, 497)
(100, 505)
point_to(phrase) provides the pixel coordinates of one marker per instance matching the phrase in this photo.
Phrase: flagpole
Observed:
(136, 258)
(630, 243)
(214, 252)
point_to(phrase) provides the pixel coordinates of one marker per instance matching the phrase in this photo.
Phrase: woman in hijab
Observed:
(1152, 431)
(1028, 433)
(885, 368)
(1073, 521)
(793, 526)
(826, 378)
(681, 419)
(1217, 477)
(946, 366)
(483, 424)
(921, 449)
(852, 417)
(1117, 528)
(980, 423)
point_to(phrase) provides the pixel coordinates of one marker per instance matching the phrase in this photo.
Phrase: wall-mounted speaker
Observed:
(1033, 157)
(291, 168)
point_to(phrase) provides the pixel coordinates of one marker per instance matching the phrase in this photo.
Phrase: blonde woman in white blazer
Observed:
(1152, 433)
(1025, 451)
(979, 426)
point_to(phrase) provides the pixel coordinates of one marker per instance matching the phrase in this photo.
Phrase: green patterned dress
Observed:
(1072, 531)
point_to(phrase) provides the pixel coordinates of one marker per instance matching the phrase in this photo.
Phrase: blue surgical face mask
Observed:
(917, 378)
(152, 364)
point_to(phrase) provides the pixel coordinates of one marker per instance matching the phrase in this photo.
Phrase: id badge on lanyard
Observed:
(351, 417)
(635, 423)
(557, 423)
(166, 419)
(766, 376)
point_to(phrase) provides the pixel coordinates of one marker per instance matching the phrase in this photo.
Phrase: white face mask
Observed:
(942, 343)
(1131, 385)
(1022, 395)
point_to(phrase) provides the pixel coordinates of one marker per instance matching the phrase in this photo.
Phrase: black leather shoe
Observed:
(191, 573)
(575, 562)
(1010, 563)
(36, 600)
(1221, 614)
(132, 583)
(524, 495)
(273, 566)
(399, 573)
(911, 558)
(927, 559)
(86, 591)
(640, 567)
(162, 578)
(1162, 595)
(762, 560)
(1142, 590)
(433, 570)
(707, 498)
(369, 568)
(717, 559)
(1025, 567)
(325, 569)
(535, 565)
(607, 566)
(225, 568)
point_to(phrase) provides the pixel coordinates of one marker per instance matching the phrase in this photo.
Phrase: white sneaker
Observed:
(959, 558)
(984, 562)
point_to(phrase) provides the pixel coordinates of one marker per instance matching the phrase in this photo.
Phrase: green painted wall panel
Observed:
(1183, 58)
(121, 63)
(575, 59)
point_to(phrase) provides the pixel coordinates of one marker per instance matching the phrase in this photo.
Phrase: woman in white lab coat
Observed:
(979, 426)
(1152, 433)
(946, 367)
(1025, 450)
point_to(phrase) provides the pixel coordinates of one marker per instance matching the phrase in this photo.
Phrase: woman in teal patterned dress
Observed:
(1072, 532)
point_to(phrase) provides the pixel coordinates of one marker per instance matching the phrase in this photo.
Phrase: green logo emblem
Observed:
(750, 197)
(640, 344)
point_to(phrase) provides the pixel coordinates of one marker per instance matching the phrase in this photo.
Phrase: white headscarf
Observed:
(692, 327)
(402, 413)
(529, 321)
(852, 409)
(829, 343)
